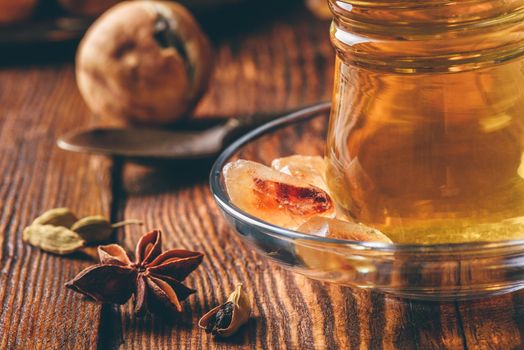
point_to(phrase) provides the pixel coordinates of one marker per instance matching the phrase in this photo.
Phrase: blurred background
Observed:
(266, 57)
(35, 33)
(37, 30)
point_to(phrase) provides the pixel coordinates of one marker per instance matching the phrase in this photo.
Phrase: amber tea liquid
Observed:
(426, 136)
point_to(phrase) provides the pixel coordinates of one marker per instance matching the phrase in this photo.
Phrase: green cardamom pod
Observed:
(97, 228)
(57, 217)
(54, 239)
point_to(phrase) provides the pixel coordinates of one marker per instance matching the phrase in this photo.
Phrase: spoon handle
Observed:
(239, 126)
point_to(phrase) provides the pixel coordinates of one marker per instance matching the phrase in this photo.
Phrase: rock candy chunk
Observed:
(273, 196)
(311, 169)
(333, 228)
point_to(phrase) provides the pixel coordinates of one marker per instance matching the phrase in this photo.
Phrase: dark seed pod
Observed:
(220, 320)
(226, 319)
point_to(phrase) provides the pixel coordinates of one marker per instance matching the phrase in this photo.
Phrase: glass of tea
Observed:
(426, 130)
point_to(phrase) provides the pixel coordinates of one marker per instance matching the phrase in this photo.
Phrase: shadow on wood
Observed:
(167, 177)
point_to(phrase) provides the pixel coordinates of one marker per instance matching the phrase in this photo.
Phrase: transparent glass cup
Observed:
(425, 140)
(421, 271)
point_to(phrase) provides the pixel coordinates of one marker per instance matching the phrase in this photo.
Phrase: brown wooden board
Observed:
(269, 65)
(37, 105)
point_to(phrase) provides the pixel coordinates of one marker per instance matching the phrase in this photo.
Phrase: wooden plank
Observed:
(36, 311)
(275, 65)
(494, 323)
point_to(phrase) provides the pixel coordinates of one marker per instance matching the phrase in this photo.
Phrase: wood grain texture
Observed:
(36, 105)
(265, 62)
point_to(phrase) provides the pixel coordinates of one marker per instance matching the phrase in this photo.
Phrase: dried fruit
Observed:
(97, 228)
(226, 319)
(273, 196)
(54, 239)
(145, 62)
(56, 217)
(333, 228)
(310, 169)
(154, 277)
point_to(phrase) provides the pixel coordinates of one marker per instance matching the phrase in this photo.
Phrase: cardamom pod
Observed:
(57, 217)
(226, 319)
(97, 228)
(53, 239)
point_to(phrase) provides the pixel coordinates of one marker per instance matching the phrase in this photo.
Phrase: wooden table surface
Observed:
(265, 62)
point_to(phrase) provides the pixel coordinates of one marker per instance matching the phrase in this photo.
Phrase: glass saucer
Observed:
(428, 272)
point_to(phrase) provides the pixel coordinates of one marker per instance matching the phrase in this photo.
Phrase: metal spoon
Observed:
(156, 144)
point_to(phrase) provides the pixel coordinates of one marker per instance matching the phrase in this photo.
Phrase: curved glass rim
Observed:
(306, 113)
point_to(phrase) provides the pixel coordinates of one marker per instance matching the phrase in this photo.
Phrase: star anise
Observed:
(154, 277)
